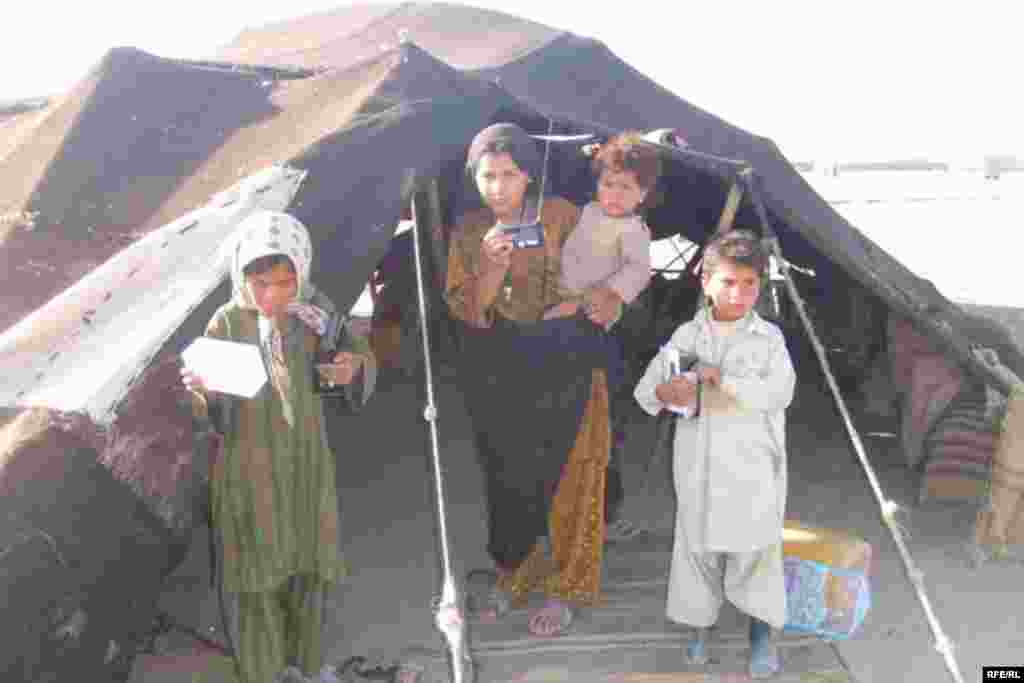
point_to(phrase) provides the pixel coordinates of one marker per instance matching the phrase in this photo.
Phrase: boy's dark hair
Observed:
(742, 247)
(265, 264)
(627, 151)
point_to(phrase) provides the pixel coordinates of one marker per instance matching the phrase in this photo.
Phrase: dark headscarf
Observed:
(507, 138)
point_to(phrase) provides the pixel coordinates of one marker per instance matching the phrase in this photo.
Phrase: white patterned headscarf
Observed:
(266, 233)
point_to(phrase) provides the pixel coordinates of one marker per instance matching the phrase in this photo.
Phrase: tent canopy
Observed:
(127, 161)
(369, 101)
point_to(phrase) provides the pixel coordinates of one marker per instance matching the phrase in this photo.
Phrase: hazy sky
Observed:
(825, 79)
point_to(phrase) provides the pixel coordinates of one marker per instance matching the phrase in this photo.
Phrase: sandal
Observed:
(357, 668)
(621, 530)
(557, 613)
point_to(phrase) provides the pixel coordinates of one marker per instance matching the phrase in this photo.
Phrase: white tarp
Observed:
(82, 350)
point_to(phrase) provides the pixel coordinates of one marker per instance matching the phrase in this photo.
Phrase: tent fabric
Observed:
(365, 103)
(609, 91)
(142, 140)
(464, 37)
(15, 120)
(578, 78)
(84, 349)
(92, 520)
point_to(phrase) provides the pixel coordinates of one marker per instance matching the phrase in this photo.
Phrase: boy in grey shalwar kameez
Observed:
(730, 460)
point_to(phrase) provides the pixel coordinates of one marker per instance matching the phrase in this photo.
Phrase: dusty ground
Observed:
(389, 538)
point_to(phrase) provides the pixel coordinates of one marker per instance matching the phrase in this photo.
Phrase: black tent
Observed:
(143, 140)
(559, 74)
(167, 134)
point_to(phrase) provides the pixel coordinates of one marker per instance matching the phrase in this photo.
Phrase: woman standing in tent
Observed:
(273, 490)
(536, 389)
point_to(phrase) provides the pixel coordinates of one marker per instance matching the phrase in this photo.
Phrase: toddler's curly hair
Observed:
(627, 151)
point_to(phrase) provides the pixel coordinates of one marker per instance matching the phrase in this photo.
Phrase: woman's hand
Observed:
(603, 305)
(343, 369)
(678, 391)
(497, 248)
(565, 309)
(192, 381)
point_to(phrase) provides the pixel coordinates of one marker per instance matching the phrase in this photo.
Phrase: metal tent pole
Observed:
(889, 508)
(449, 616)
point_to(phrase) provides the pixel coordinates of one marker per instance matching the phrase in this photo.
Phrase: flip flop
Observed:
(564, 614)
(357, 669)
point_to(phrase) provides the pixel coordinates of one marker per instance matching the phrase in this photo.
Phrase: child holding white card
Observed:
(273, 490)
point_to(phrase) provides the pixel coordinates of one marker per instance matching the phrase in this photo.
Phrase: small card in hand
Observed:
(685, 365)
(335, 339)
(525, 235)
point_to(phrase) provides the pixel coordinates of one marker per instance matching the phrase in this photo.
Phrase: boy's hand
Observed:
(678, 391)
(709, 375)
(192, 381)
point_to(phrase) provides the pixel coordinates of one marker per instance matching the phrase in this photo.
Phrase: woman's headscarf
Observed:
(507, 138)
(265, 233)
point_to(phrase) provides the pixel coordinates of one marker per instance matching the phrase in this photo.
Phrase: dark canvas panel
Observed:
(143, 140)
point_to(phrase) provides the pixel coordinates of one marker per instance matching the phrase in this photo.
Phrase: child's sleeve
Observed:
(362, 386)
(367, 375)
(768, 388)
(635, 273)
(657, 371)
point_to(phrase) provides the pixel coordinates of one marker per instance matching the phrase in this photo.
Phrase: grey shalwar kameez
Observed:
(729, 470)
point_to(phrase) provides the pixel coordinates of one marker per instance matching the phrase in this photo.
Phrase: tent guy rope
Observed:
(888, 507)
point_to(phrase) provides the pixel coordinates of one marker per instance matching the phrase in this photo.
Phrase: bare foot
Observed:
(553, 619)
(407, 676)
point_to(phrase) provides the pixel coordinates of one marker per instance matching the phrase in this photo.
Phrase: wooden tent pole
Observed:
(732, 205)
(889, 508)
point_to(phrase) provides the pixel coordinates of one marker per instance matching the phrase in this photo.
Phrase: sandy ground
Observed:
(389, 536)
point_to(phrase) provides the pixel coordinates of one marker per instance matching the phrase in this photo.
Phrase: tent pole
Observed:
(732, 205)
(888, 507)
(449, 616)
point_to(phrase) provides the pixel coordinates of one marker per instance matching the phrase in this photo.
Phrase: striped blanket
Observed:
(959, 449)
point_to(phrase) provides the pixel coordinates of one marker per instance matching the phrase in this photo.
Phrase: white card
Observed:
(226, 366)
